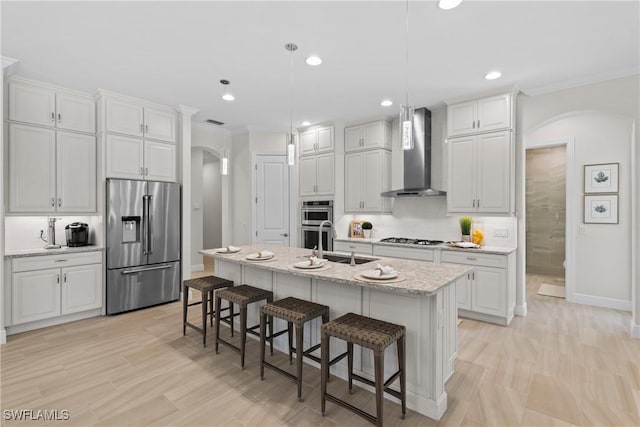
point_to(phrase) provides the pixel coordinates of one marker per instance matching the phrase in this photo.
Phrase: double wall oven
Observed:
(313, 213)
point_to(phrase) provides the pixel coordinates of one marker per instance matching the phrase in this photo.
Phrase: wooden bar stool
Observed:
(206, 285)
(242, 295)
(295, 312)
(376, 335)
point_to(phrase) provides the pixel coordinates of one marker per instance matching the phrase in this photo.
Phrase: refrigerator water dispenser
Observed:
(130, 229)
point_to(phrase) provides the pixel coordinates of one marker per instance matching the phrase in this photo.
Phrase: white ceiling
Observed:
(175, 52)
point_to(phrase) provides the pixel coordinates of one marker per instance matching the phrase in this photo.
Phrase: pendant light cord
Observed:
(407, 60)
(291, 98)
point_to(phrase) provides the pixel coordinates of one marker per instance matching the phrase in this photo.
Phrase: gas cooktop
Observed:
(408, 241)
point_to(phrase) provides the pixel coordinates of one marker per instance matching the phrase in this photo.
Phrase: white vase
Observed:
(367, 233)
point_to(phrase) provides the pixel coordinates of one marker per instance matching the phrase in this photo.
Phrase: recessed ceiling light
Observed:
(305, 123)
(228, 97)
(492, 75)
(386, 103)
(313, 60)
(449, 4)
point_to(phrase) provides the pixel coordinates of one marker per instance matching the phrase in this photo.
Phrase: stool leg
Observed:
(271, 334)
(231, 314)
(263, 342)
(350, 365)
(205, 304)
(324, 374)
(217, 328)
(243, 333)
(290, 334)
(185, 297)
(299, 353)
(211, 310)
(403, 363)
(378, 362)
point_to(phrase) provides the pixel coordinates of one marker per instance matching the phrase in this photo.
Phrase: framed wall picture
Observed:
(601, 209)
(601, 178)
(355, 229)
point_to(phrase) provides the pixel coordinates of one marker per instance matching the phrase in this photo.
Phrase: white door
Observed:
(352, 182)
(32, 169)
(324, 174)
(494, 113)
(489, 291)
(308, 176)
(325, 139)
(159, 161)
(353, 138)
(461, 192)
(81, 288)
(74, 112)
(461, 118)
(124, 157)
(76, 172)
(31, 104)
(493, 172)
(35, 295)
(272, 200)
(372, 181)
(308, 142)
(160, 124)
(124, 117)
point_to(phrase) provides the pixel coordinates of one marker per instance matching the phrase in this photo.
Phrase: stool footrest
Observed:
(338, 358)
(385, 387)
(367, 416)
(282, 371)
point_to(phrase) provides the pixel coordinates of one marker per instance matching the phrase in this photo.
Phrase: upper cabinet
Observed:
(366, 175)
(317, 140)
(481, 115)
(45, 105)
(316, 175)
(127, 117)
(367, 136)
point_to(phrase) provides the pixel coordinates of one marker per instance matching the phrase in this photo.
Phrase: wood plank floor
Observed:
(564, 364)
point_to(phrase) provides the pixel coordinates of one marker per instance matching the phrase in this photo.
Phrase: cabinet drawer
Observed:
(469, 258)
(359, 248)
(55, 261)
(404, 253)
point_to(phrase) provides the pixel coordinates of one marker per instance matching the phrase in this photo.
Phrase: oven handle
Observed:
(316, 209)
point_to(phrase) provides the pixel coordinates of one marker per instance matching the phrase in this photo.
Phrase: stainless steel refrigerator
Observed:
(143, 244)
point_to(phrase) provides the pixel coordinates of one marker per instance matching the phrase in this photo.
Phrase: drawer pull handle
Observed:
(472, 258)
(60, 260)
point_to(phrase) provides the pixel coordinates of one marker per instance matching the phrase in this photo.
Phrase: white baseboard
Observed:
(634, 330)
(3, 336)
(197, 267)
(616, 304)
(520, 310)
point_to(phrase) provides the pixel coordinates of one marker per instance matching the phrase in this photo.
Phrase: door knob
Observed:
(285, 234)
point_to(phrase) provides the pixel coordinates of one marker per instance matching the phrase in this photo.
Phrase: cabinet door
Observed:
(74, 112)
(308, 176)
(160, 124)
(324, 174)
(461, 193)
(372, 179)
(353, 138)
(461, 118)
(373, 135)
(124, 157)
(308, 142)
(31, 104)
(159, 161)
(124, 117)
(32, 166)
(489, 291)
(35, 295)
(76, 172)
(352, 182)
(325, 139)
(81, 288)
(493, 172)
(463, 292)
(494, 113)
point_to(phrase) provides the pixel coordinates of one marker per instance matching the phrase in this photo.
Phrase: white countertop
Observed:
(499, 250)
(422, 277)
(43, 251)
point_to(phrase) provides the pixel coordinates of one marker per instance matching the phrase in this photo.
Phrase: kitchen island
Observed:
(424, 302)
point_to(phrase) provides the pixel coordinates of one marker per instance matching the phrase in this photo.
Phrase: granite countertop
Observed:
(43, 251)
(499, 250)
(422, 278)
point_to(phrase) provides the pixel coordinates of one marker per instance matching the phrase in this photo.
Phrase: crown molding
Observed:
(7, 62)
(582, 81)
(187, 111)
(514, 89)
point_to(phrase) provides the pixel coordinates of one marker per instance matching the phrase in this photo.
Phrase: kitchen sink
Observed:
(346, 259)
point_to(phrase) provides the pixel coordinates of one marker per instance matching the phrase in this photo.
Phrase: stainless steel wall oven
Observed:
(312, 214)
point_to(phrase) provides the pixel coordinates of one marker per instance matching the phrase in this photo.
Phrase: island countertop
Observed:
(423, 278)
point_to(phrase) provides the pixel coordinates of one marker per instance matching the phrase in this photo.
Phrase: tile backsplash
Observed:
(23, 232)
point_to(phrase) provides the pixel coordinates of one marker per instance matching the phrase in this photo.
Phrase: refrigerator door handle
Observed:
(149, 227)
(140, 270)
(145, 226)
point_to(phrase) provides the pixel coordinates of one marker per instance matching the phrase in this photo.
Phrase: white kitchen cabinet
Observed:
(76, 172)
(317, 175)
(35, 295)
(315, 141)
(418, 254)
(463, 291)
(81, 288)
(367, 174)
(46, 105)
(160, 124)
(481, 173)
(159, 161)
(124, 117)
(360, 248)
(480, 115)
(124, 157)
(367, 136)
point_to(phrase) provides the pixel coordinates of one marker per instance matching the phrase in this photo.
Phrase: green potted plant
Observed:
(465, 228)
(366, 229)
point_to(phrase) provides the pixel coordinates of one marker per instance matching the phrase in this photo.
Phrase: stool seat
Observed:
(364, 331)
(295, 310)
(208, 283)
(244, 294)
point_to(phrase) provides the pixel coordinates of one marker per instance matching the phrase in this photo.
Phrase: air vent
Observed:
(215, 122)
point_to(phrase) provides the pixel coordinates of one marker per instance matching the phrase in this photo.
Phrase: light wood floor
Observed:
(563, 364)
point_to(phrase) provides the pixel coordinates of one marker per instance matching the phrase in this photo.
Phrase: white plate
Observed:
(255, 257)
(375, 274)
(307, 266)
(227, 251)
(465, 245)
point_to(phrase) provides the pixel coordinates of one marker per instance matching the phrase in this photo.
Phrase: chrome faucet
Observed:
(333, 234)
(51, 233)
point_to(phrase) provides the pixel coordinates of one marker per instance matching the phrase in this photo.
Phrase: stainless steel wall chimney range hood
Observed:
(417, 162)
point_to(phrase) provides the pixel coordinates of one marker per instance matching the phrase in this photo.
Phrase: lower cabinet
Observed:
(357, 247)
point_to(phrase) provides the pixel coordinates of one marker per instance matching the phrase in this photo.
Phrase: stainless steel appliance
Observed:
(77, 234)
(409, 241)
(143, 244)
(313, 213)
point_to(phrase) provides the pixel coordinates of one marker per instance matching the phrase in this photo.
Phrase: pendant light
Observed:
(224, 163)
(226, 95)
(406, 110)
(291, 147)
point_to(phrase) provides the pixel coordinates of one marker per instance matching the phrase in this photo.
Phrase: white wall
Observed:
(23, 232)
(196, 209)
(211, 207)
(602, 119)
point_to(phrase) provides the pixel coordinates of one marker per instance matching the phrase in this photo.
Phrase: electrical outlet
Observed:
(501, 232)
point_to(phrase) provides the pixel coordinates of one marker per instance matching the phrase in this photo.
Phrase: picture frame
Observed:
(601, 209)
(601, 178)
(355, 229)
